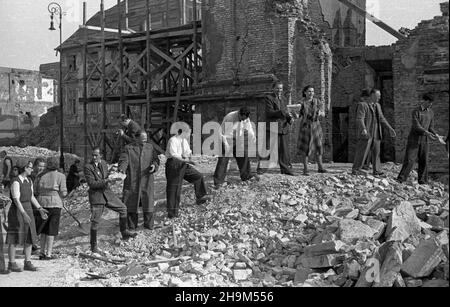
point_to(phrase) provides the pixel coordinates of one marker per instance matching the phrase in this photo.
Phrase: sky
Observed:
(26, 42)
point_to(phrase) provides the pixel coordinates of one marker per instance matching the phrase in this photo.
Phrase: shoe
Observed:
(358, 173)
(35, 249)
(149, 221)
(42, 256)
(422, 183)
(400, 180)
(48, 258)
(128, 235)
(305, 173)
(13, 267)
(288, 173)
(323, 171)
(28, 266)
(5, 272)
(203, 200)
(93, 241)
(260, 172)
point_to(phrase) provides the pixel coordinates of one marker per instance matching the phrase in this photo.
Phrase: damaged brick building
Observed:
(25, 95)
(241, 47)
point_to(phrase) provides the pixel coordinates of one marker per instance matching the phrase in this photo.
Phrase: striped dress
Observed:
(310, 139)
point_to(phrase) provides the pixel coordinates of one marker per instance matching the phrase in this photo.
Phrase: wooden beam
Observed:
(121, 72)
(94, 28)
(194, 38)
(103, 55)
(180, 31)
(179, 88)
(149, 68)
(373, 19)
(85, 90)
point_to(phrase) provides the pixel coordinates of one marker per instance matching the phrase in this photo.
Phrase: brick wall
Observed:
(421, 65)
(249, 44)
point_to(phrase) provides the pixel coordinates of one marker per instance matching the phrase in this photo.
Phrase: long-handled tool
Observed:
(80, 225)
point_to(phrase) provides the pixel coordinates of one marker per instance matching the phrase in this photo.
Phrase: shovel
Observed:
(82, 229)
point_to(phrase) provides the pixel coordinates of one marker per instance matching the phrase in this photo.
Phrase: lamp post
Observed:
(55, 9)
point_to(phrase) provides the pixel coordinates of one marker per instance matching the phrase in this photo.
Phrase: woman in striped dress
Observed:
(311, 136)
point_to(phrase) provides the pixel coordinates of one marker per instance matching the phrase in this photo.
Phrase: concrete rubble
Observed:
(335, 230)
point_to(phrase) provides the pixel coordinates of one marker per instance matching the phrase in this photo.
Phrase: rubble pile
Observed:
(22, 155)
(332, 230)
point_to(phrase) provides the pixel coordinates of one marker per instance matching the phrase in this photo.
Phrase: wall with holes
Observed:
(24, 97)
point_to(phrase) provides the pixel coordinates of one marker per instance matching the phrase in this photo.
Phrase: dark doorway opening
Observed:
(340, 134)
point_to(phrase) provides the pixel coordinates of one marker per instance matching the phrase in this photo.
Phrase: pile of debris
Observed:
(46, 134)
(333, 230)
(21, 155)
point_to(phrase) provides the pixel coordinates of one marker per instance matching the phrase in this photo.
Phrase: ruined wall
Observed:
(24, 97)
(342, 26)
(249, 44)
(421, 64)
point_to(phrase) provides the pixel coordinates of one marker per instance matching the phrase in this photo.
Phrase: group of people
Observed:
(36, 192)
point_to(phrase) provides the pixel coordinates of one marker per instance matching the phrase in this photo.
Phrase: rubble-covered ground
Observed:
(331, 230)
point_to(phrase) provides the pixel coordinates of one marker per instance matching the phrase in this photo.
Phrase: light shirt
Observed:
(49, 188)
(178, 148)
(15, 187)
(231, 124)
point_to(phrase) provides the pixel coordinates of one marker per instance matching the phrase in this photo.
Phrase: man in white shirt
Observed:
(234, 127)
(178, 168)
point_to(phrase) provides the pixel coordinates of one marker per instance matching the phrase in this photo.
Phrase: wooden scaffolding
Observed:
(149, 76)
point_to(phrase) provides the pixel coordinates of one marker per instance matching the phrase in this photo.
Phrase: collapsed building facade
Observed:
(25, 95)
(210, 57)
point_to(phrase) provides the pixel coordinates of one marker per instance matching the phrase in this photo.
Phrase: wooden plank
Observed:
(104, 117)
(180, 86)
(121, 70)
(149, 68)
(194, 39)
(85, 90)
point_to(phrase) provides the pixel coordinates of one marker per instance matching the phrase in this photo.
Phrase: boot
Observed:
(132, 219)
(126, 234)
(94, 248)
(149, 220)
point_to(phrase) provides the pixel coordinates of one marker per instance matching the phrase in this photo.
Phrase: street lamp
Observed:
(55, 9)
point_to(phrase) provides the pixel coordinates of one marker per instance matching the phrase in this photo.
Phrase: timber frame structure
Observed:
(149, 76)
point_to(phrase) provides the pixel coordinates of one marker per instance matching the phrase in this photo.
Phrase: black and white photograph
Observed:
(224, 149)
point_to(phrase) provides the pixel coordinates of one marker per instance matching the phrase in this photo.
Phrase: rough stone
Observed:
(327, 248)
(424, 260)
(379, 226)
(403, 223)
(324, 261)
(351, 230)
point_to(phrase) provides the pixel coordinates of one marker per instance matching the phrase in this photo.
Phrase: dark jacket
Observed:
(422, 122)
(136, 161)
(365, 119)
(276, 111)
(131, 132)
(99, 192)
